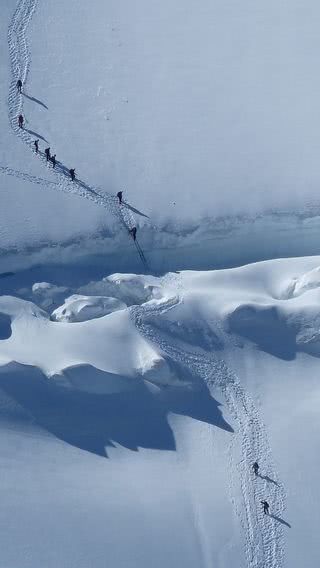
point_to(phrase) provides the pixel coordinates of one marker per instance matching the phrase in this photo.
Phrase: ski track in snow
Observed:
(264, 538)
(20, 63)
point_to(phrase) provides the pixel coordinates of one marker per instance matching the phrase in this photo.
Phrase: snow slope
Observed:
(163, 118)
(209, 107)
(220, 370)
(110, 385)
(30, 212)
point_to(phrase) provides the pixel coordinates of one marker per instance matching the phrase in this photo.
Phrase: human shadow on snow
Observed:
(36, 135)
(62, 168)
(134, 210)
(281, 521)
(268, 479)
(135, 418)
(33, 99)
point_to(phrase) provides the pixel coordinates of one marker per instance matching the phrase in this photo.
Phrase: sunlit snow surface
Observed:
(132, 407)
(197, 113)
(151, 378)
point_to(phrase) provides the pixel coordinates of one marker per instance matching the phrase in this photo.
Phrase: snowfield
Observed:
(141, 379)
(205, 373)
(201, 133)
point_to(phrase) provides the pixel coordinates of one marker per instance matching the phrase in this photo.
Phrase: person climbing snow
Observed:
(133, 233)
(53, 160)
(36, 146)
(72, 172)
(47, 153)
(119, 196)
(255, 468)
(20, 121)
(19, 86)
(265, 507)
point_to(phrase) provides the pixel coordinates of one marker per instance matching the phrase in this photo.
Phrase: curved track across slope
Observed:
(20, 63)
(264, 539)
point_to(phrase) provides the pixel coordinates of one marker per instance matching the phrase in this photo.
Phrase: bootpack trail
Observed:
(263, 534)
(20, 59)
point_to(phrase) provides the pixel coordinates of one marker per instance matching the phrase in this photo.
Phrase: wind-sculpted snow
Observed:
(301, 285)
(182, 382)
(264, 542)
(190, 371)
(83, 308)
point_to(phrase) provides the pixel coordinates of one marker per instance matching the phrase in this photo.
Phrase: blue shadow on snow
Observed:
(33, 99)
(134, 418)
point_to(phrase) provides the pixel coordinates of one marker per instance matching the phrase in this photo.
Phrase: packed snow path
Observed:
(20, 64)
(264, 539)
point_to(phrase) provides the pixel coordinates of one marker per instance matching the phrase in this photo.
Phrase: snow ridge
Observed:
(264, 539)
(20, 64)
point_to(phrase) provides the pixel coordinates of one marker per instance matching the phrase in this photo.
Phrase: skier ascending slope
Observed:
(265, 507)
(36, 146)
(19, 85)
(20, 121)
(119, 196)
(53, 160)
(72, 173)
(47, 153)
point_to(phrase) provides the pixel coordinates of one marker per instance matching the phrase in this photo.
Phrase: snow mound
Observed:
(273, 305)
(162, 372)
(129, 288)
(304, 283)
(100, 355)
(279, 329)
(78, 308)
(48, 295)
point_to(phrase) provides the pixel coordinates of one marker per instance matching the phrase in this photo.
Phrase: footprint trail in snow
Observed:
(264, 538)
(264, 541)
(20, 63)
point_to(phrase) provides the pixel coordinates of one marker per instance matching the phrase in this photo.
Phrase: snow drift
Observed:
(83, 308)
